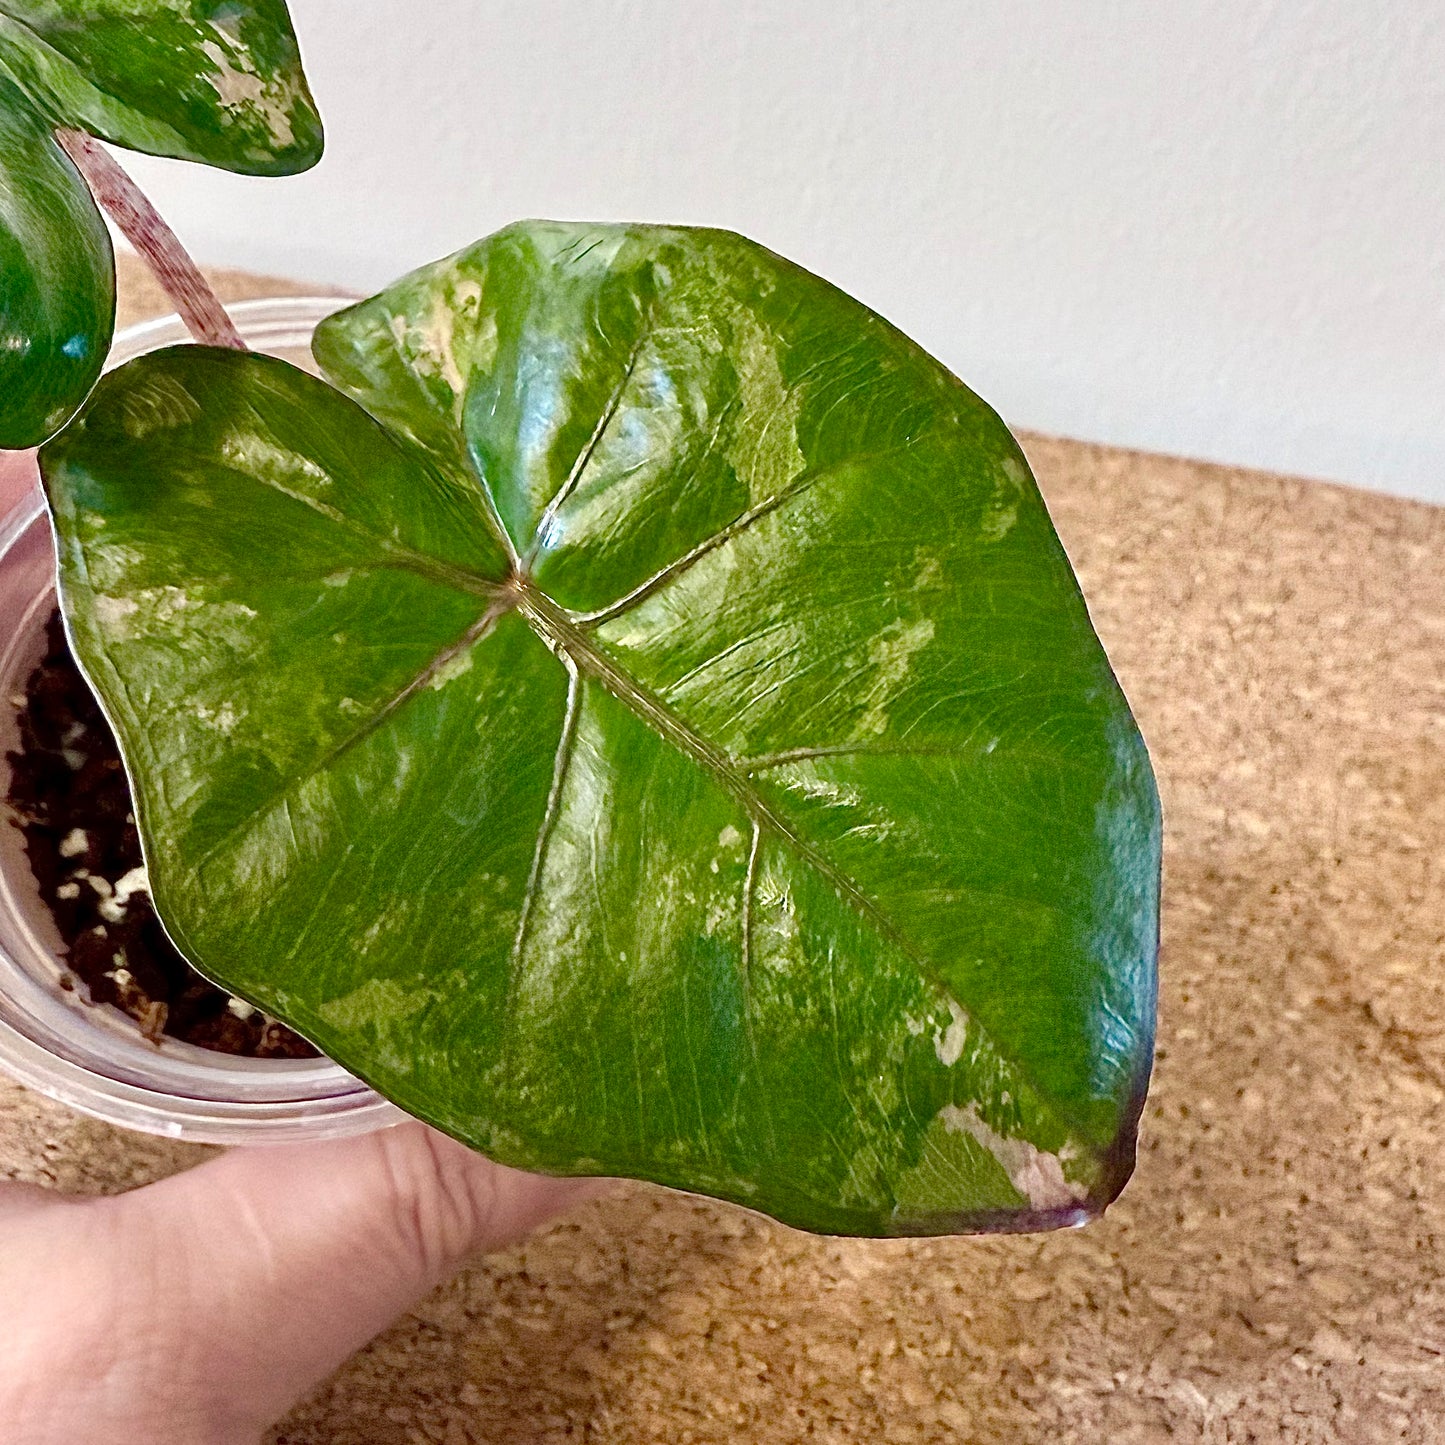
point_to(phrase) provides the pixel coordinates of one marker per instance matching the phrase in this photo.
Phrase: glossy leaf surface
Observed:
(57, 280)
(659, 735)
(218, 81)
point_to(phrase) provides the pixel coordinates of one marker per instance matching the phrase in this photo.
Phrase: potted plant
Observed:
(634, 712)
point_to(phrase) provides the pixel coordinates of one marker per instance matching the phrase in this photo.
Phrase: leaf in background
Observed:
(664, 737)
(57, 280)
(217, 81)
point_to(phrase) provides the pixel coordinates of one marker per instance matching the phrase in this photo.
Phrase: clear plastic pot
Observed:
(92, 1056)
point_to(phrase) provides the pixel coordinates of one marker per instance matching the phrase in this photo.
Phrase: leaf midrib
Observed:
(563, 635)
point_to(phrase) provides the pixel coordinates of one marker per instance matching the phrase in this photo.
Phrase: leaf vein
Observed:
(474, 634)
(805, 481)
(561, 762)
(584, 457)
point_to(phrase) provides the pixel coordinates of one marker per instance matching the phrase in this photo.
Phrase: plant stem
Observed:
(142, 226)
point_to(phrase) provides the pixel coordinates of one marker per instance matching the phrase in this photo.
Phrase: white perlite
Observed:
(130, 883)
(74, 843)
(126, 886)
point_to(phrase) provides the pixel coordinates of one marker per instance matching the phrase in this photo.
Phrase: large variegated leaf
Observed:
(57, 280)
(218, 81)
(659, 735)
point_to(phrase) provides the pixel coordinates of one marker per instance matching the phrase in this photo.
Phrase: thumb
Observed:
(282, 1261)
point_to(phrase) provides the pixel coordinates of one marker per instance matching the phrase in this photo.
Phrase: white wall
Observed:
(1211, 229)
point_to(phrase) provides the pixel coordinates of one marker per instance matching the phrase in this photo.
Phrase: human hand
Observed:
(197, 1310)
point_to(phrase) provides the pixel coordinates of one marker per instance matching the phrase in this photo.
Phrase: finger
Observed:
(297, 1256)
(17, 1199)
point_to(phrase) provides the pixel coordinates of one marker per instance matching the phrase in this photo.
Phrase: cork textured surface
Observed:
(1274, 1272)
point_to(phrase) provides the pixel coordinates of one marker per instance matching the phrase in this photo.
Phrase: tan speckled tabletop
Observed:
(1276, 1269)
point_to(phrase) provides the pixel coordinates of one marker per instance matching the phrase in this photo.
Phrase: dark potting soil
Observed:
(69, 793)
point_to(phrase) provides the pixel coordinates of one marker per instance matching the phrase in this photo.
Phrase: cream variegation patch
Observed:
(242, 90)
(891, 656)
(1037, 1175)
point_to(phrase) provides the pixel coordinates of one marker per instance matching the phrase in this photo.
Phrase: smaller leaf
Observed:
(216, 81)
(57, 303)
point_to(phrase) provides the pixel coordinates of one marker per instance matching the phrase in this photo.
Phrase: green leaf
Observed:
(217, 81)
(57, 280)
(660, 735)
